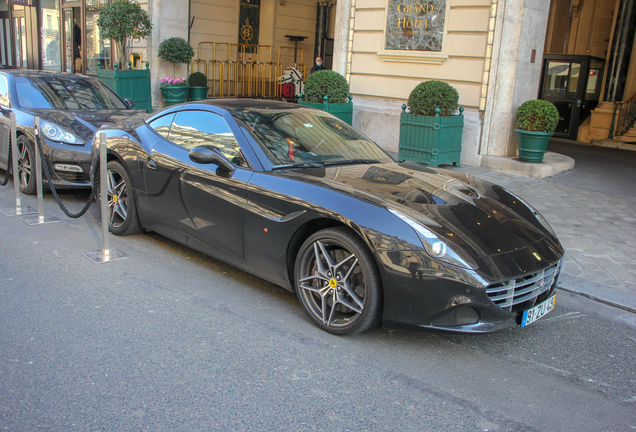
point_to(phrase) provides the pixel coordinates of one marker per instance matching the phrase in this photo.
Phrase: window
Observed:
(195, 128)
(72, 93)
(51, 42)
(162, 125)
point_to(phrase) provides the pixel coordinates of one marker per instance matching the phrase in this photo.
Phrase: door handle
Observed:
(151, 164)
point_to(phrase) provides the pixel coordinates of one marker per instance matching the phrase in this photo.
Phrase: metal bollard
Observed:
(19, 209)
(106, 254)
(40, 218)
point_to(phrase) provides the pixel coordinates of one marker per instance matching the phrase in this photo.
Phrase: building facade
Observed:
(491, 51)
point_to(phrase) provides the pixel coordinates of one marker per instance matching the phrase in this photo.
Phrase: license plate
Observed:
(531, 315)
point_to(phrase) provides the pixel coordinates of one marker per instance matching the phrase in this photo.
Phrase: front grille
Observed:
(522, 293)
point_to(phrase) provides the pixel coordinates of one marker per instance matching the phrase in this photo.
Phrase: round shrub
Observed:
(428, 95)
(175, 50)
(198, 79)
(326, 83)
(538, 116)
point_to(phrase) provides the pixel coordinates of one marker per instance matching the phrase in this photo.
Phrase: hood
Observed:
(85, 123)
(456, 206)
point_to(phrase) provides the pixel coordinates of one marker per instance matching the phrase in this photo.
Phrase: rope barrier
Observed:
(91, 198)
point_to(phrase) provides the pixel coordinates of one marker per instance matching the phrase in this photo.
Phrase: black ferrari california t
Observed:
(70, 108)
(301, 199)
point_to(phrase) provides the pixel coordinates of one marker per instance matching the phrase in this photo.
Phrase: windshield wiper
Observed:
(299, 165)
(352, 161)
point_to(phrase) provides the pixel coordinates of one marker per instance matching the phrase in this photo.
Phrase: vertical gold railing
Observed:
(230, 74)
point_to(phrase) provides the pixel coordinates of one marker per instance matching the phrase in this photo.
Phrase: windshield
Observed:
(306, 136)
(54, 92)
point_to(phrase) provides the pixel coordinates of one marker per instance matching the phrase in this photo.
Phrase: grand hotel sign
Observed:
(414, 25)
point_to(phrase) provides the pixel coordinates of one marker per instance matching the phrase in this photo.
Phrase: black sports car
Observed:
(70, 108)
(301, 199)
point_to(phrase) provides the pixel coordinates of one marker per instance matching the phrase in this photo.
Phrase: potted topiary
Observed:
(536, 122)
(329, 91)
(121, 21)
(432, 131)
(198, 86)
(175, 50)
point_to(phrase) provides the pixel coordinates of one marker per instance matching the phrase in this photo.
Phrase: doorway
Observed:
(73, 40)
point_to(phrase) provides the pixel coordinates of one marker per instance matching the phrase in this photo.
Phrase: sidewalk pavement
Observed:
(597, 230)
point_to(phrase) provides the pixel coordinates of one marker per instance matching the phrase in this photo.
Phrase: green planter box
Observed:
(133, 84)
(343, 111)
(198, 93)
(532, 145)
(173, 95)
(431, 140)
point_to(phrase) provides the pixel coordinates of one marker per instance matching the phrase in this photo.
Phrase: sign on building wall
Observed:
(21, 2)
(250, 15)
(416, 25)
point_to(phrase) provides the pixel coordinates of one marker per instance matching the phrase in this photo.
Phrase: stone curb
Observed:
(600, 293)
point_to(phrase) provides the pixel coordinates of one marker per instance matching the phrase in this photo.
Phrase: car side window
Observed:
(162, 124)
(4, 91)
(194, 128)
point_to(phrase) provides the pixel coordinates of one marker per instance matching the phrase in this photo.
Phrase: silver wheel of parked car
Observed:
(26, 166)
(122, 213)
(337, 282)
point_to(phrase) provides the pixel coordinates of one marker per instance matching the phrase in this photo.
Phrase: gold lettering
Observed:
(426, 24)
(401, 5)
(401, 22)
(429, 8)
(409, 24)
(408, 9)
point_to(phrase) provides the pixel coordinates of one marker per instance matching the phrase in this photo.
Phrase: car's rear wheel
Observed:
(338, 283)
(122, 212)
(26, 166)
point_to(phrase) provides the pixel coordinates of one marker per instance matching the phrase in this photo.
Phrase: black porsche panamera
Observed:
(70, 107)
(299, 198)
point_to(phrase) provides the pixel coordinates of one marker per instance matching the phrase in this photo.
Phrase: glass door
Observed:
(561, 81)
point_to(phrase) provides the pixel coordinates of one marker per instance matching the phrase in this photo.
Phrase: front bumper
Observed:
(421, 293)
(69, 165)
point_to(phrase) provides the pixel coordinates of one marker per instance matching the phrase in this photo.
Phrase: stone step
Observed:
(614, 143)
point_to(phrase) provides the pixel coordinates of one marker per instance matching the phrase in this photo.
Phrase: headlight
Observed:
(56, 133)
(436, 247)
(536, 214)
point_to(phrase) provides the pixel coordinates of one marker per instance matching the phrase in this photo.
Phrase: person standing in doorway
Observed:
(318, 66)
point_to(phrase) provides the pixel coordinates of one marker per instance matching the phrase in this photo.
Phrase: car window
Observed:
(195, 128)
(307, 136)
(54, 92)
(4, 91)
(162, 124)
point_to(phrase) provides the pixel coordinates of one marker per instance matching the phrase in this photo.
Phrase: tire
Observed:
(344, 275)
(26, 166)
(122, 211)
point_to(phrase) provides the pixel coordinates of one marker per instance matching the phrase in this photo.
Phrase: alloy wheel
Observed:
(332, 284)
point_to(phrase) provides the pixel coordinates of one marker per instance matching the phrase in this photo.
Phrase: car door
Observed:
(202, 200)
(5, 125)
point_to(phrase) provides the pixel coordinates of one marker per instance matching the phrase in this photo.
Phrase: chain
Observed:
(6, 173)
(91, 198)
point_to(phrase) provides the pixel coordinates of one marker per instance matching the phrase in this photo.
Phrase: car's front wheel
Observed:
(338, 283)
(26, 166)
(122, 212)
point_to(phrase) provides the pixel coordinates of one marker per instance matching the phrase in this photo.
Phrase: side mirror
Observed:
(129, 103)
(211, 155)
